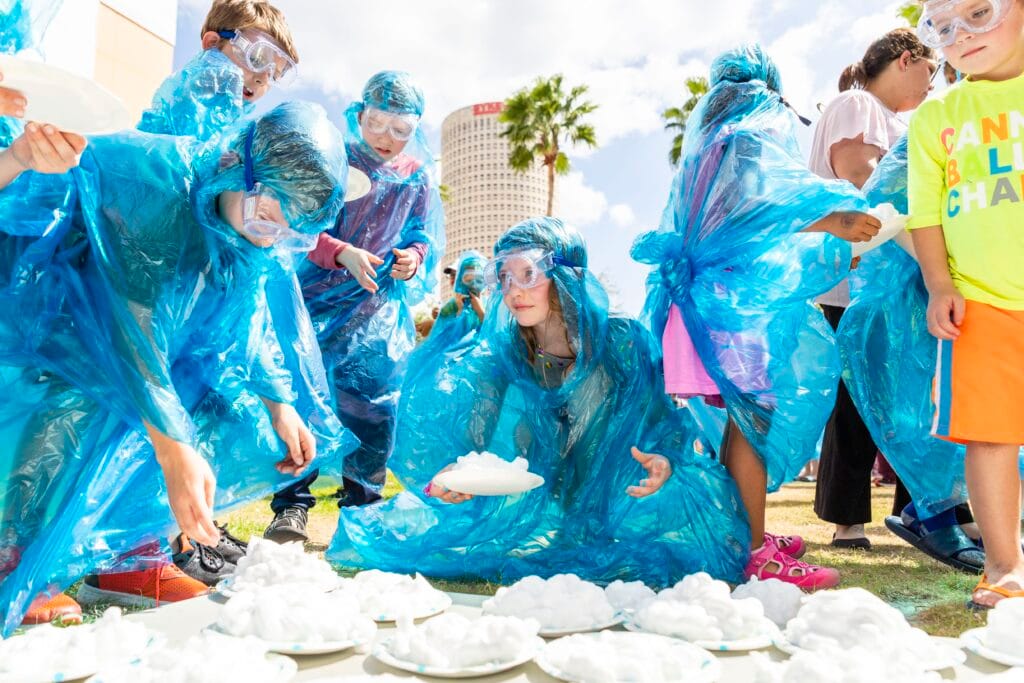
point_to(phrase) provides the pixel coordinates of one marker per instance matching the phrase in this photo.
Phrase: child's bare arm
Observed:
(945, 303)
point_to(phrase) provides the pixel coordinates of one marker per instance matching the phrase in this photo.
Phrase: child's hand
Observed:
(361, 264)
(297, 438)
(454, 497)
(659, 469)
(12, 102)
(44, 149)
(945, 313)
(406, 263)
(190, 489)
(854, 226)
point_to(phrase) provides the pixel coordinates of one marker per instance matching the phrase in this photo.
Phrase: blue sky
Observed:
(633, 55)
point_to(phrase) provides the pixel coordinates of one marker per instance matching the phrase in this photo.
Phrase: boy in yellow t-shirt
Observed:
(966, 192)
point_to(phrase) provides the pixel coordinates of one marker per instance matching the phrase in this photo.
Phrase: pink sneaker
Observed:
(793, 546)
(772, 563)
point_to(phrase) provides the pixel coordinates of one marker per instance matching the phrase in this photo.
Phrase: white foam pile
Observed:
(701, 608)
(489, 461)
(207, 658)
(562, 603)
(617, 657)
(46, 650)
(301, 613)
(384, 594)
(1005, 630)
(272, 564)
(781, 600)
(628, 596)
(853, 617)
(835, 665)
(451, 641)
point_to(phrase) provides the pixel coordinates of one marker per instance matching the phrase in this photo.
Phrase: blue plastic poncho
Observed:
(22, 26)
(732, 255)
(366, 338)
(454, 327)
(889, 357)
(577, 436)
(200, 100)
(132, 301)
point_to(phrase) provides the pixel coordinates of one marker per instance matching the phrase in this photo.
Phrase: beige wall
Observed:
(487, 197)
(131, 61)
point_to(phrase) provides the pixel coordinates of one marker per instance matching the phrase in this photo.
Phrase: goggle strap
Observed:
(250, 174)
(226, 34)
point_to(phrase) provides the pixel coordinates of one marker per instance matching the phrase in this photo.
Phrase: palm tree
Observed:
(539, 120)
(911, 12)
(676, 117)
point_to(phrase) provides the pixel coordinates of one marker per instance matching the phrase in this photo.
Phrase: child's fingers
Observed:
(959, 310)
(375, 260)
(640, 456)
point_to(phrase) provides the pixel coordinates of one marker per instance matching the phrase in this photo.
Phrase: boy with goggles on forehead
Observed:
(966, 196)
(247, 47)
(361, 280)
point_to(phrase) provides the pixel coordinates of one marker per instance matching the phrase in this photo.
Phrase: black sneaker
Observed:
(289, 525)
(231, 548)
(201, 562)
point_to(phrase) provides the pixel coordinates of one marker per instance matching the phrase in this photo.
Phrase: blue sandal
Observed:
(949, 545)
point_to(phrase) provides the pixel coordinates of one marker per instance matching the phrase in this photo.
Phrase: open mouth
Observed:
(383, 151)
(246, 93)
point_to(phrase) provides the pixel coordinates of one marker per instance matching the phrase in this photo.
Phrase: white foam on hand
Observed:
(393, 595)
(615, 657)
(452, 641)
(562, 603)
(781, 600)
(41, 651)
(299, 613)
(628, 596)
(701, 608)
(1005, 630)
(853, 617)
(836, 665)
(273, 564)
(206, 658)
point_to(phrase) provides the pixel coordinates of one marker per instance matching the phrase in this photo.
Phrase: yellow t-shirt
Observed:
(966, 173)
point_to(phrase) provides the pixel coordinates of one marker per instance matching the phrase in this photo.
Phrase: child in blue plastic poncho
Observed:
(141, 298)
(889, 360)
(739, 254)
(460, 317)
(247, 47)
(361, 280)
(553, 378)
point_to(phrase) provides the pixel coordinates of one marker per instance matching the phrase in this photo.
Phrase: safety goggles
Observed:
(523, 269)
(472, 281)
(399, 126)
(262, 215)
(942, 21)
(261, 54)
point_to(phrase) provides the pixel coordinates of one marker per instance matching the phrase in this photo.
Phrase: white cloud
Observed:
(622, 215)
(578, 203)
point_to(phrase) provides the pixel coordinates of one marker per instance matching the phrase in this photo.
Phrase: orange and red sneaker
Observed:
(61, 607)
(146, 588)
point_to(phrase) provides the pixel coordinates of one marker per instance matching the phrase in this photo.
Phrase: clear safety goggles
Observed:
(399, 126)
(262, 220)
(523, 269)
(942, 21)
(260, 54)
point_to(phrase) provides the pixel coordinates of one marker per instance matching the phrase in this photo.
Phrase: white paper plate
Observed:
(437, 604)
(559, 633)
(68, 674)
(974, 641)
(530, 650)
(358, 184)
(286, 668)
(64, 99)
(226, 587)
(489, 481)
(892, 224)
(708, 671)
(790, 649)
(290, 648)
(758, 642)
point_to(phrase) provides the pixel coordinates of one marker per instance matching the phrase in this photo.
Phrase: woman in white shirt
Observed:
(856, 130)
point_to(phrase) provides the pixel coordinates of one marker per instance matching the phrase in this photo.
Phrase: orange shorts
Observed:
(979, 378)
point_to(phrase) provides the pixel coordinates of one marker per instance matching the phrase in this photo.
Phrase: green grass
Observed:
(932, 595)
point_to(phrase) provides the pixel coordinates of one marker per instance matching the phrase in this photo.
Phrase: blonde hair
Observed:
(259, 15)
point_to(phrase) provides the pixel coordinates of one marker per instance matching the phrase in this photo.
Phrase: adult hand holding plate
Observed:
(63, 99)
(12, 102)
(893, 223)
